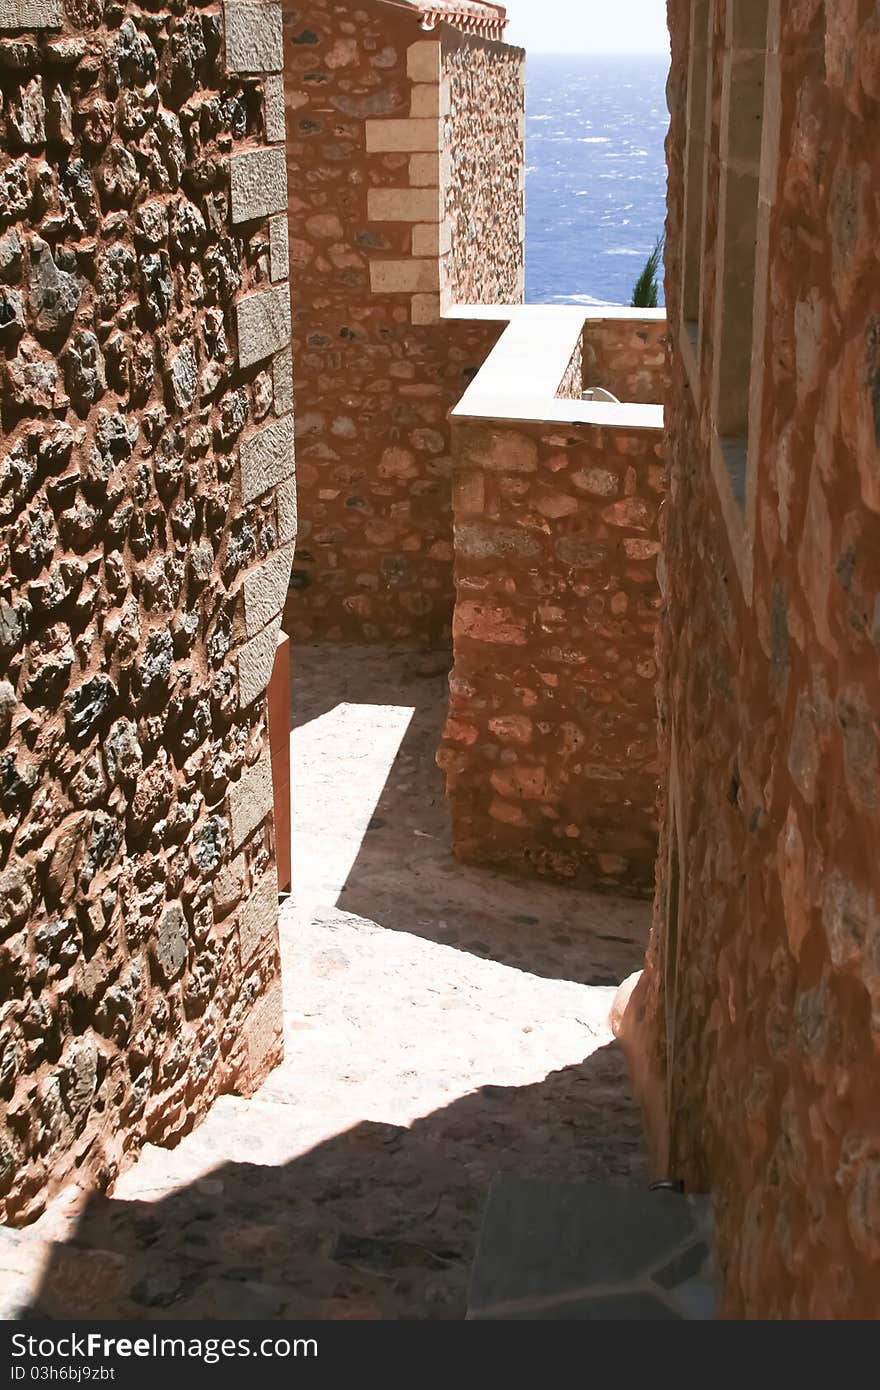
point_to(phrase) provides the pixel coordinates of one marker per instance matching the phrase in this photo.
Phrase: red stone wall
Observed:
(550, 746)
(627, 358)
(138, 907)
(484, 173)
(571, 388)
(770, 695)
(377, 372)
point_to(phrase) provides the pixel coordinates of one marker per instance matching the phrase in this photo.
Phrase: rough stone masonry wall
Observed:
(550, 746)
(377, 371)
(483, 173)
(147, 519)
(773, 709)
(628, 358)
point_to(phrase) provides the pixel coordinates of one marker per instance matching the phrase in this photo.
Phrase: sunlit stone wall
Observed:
(147, 518)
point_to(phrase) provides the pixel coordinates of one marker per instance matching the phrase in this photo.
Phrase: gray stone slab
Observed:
(263, 324)
(273, 104)
(254, 38)
(250, 799)
(279, 248)
(31, 14)
(629, 1307)
(264, 1027)
(683, 1266)
(282, 381)
(265, 589)
(286, 503)
(255, 662)
(267, 458)
(545, 1245)
(697, 1300)
(259, 915)
(258, 183)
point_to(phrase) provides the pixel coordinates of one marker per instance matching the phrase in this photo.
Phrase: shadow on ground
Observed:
(402, 873)
(443, 1024)
(379, 1222)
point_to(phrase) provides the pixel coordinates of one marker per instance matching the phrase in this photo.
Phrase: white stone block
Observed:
(258, 183)
(265, 590)
(263, 324)
(250, 798)
(279, 248)
(282, 381)
(425, 101)
(31, 14)
(403, 205)
(403, 135)
(273, 105)
(254, 37)
(423, 61)
(432, 240)
(426, 239)
(259, 916)
(424, 170)
(404, 277)
(265, 1031)
(425, 309)
(285, 500)
(255, 662)
(267, 458)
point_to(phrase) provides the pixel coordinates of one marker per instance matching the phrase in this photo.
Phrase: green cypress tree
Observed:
(646, 292)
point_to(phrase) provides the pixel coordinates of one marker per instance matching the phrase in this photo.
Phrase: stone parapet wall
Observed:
(377, 370)
(148, 516)
(483, 171)
(768, 913)
(571, 388)
(627, 358)
(550, 746)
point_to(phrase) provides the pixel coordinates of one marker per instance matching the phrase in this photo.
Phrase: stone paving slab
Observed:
(593, 1251)
(440, 1024)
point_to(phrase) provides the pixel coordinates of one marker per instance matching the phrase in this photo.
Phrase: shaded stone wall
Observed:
(769, 711)
(377, 371)
(627, 358)
(147, 518)
(550, 745)
(483, 174)
(571, 388)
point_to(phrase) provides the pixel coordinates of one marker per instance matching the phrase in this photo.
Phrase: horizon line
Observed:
(596, 52)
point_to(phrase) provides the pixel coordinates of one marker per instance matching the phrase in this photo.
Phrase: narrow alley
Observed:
(443, 1024)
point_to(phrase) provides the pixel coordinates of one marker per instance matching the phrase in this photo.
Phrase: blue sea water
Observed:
(596, 174)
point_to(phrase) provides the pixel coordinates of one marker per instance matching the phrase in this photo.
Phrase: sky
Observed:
(588, 26)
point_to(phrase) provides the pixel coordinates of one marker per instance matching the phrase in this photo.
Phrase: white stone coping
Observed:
(521, 376)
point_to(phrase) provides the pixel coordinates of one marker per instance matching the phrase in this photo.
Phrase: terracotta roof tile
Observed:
(472, 16)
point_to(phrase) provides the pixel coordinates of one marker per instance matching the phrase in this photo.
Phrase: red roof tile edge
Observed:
(471, 16)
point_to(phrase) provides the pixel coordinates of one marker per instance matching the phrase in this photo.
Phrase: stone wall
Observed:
(627, 358)
(769, 906)
(571, 388)
(147, 522)
(550, 746)
(483, 174)
(377, 371)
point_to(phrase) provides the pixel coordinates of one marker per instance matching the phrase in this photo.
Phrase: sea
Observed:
(595, 176)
